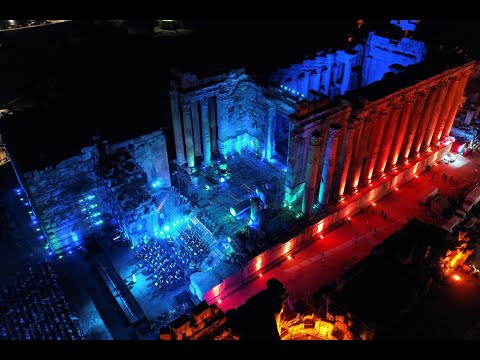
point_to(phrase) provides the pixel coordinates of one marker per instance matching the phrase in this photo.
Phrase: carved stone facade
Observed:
(79, 195)
(335, 72)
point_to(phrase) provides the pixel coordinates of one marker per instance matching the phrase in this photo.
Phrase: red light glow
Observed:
(456, 277)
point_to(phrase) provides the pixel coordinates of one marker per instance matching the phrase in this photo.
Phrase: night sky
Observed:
(82, 79)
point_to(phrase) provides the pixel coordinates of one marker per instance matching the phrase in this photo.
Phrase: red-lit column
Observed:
(311, 172)
(387, 139)
(456, 103)
(447, 105)
(329, 164)
(413, 124)
(359, 153)
(432, 124)
(346, 156)
(378, 128)
(177, 128)
(400, 133)
(425, 118)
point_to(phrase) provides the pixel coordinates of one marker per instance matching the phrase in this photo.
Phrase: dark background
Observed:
(71, 81)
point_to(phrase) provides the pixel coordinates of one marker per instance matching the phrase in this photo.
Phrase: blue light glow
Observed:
(98, 222)
(93, 206)
(21, 199)
(26, 204)
(70, 251)
(75, 236)
(50, 253)
(166, 228)
(38, 229)
(60, 257)
(41, 237)
(84, 209)
(222, 179)
(90, 197)
(229, 239)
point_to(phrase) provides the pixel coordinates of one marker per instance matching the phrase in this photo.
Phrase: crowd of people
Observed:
(170, 264)
(34, 307)
(162, 266)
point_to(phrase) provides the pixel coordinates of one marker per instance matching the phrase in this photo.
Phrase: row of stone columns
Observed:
(379, 141)
(388, 137)
(198, 132)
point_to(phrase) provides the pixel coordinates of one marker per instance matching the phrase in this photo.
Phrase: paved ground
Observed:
(306, 271)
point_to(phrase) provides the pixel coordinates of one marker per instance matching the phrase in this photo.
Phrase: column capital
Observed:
(334, 130)
(187, 107)
(204, 102)
(421, 94)
(316, 138)
(352, 123)
(222, 96)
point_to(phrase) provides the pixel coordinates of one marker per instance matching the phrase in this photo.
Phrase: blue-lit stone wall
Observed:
(78, 196)
(69, 200)
(384, 55)
(242, 117)
(149, 151)
(329, 73)
(338, 71)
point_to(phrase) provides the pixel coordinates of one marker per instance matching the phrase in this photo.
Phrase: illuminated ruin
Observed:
(262, 167)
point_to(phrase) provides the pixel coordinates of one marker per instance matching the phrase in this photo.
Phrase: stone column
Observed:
(177, 128)
(269, 145)
(432, 124)
(456, 103)
(197, 139)
(387, 139)
(222, 124)
(346, 155)
(311, 172)
(314, 83)
(359, 153)
(400, 133)
(329, 164)
(187, 126)
(447, 105)
(213, 123)
(369, 149)
(328, 73)
(295, 178)
(346, 76)
(207, 149)
(374, 145)
(425, 118)
(413, 125)
(302, 83)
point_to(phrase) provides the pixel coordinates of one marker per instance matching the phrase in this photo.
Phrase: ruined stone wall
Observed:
(242, 118)
(383, 55)
(279, 252)
(329, 73)
(74, 197)
(67, 198)
(150, 152)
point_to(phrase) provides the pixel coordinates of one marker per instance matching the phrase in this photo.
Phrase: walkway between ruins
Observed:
(305, 271)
